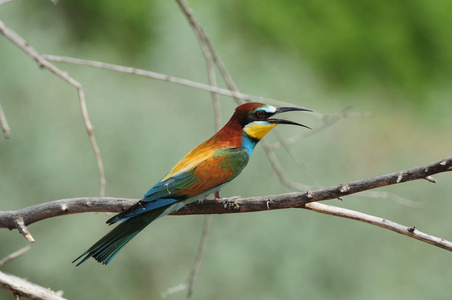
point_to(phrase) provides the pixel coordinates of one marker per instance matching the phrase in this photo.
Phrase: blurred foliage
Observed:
(126, 26)
(405, 45)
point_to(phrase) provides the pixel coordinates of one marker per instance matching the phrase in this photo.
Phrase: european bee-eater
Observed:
(201, 172)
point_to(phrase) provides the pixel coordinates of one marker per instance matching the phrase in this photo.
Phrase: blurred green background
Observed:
(391, 59)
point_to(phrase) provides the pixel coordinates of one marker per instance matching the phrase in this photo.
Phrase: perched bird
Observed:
(201, 172)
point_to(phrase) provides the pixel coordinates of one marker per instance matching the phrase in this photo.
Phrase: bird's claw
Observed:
(231, 202)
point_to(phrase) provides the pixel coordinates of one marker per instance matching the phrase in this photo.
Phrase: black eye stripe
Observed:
(257, 115)
(260, 113)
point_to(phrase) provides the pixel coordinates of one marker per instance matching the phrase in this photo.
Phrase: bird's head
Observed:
(256, 118)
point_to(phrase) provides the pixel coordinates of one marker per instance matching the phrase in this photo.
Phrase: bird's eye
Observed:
(260, 113)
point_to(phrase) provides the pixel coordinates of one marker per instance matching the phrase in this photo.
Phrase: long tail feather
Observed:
(107, 247)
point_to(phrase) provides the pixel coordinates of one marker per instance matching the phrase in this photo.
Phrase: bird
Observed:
(203, 171)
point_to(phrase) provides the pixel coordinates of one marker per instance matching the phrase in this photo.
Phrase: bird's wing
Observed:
(221, 166)
(211, 172)
(190, 161)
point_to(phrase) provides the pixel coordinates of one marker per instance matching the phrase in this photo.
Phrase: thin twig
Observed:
(14, 255)
(163, 77)
(295, 157)
(5, 1)
(226, 76)
(174, 289)
(4, 123)
(327, 121)
(279, 170)
(199, 256)
(22, 228)
(393, 197)
(44, 63)
(206, 51)
(211, 50)
(377, 221)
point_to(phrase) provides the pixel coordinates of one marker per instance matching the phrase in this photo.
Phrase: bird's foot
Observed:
(217, 196)
(231, 202)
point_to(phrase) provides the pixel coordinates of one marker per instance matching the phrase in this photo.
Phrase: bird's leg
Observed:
(217, 196)
(201, 200)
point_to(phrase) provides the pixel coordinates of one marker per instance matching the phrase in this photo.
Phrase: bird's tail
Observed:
(107, 247)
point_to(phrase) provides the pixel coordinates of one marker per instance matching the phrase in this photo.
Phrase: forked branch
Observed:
(29, 215)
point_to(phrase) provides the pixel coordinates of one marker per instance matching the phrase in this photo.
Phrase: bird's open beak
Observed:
(286, 109)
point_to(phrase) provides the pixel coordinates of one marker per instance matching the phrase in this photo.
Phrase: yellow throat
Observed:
(257, 130)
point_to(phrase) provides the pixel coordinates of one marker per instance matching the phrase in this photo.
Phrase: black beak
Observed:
(286, 109)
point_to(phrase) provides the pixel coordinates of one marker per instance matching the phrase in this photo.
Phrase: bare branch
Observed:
(14, 255)
(172, 290)
(163, 77)
(5, 1)
(24, 288)
(227, 77)
(29, 215)
(201, 248)
(4, 123)
(44, 63)
(21, 287)
(208, 50)
(35, 213)
(393, 226)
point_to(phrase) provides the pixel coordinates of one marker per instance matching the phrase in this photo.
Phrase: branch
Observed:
(5, 1)
(209, 52)
(393, 226)
(23, 288)
(162, 77)
(14, 255)
(35, 213)
(44, 63)
(32, 214)
(299, 200)
(4, 123)
(199, 255)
